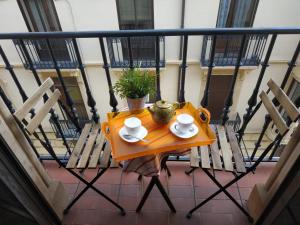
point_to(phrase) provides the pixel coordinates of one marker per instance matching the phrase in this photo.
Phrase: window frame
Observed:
(119, 17)
(28, 17)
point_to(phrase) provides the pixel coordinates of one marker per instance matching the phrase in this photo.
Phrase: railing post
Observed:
(204, 101)
(183, 70)
(13, 75)
(253, 99)
(112, 98)
(130, 53)
(90, 100)
(257, 144)
(67, 95)
(229, 100)
(157, 66)
(53, 115)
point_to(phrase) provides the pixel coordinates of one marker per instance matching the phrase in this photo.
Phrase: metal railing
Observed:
(142, 50)
(40, 55)
(244, 35)
(227, 49)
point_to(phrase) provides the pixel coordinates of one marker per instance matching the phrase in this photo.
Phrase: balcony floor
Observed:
(125, 189)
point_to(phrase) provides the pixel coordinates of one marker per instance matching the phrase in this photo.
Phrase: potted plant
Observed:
(135, 85)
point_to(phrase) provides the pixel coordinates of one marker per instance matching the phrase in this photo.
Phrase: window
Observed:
(236, 13)
(233, 13)
(137, 14)
(41, 16)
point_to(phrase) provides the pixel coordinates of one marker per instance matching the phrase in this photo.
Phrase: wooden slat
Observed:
(194, 158)
(97, 151)
(31, 102)
(236, 151)
(275, 115)
(205, 160)
(215, 155)
(38, 118)
(88, 147)
(225, 148)
(79, 146)
(284, 100)
(114, 164)
(104, 160)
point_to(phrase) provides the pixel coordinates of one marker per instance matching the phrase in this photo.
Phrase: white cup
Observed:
(185, 122)
(132, 125)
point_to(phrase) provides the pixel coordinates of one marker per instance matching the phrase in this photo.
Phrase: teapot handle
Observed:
(204, 115)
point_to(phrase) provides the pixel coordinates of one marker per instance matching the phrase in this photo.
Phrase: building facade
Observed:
(77, 15)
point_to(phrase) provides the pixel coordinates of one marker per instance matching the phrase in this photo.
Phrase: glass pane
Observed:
(236, 13)
(126, 12)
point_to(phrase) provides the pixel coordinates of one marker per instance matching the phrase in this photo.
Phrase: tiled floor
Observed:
(126, 190)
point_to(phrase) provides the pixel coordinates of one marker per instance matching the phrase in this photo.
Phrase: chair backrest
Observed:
(31, 102)
(284, 102)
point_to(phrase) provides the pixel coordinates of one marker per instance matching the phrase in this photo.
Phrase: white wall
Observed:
(81, 15)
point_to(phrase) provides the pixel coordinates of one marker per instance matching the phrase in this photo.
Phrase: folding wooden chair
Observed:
(91, 150)
(226, 155)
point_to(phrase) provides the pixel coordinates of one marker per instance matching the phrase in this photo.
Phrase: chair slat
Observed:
(114, 164)
(205, 161)
(97, 151)
(225, 148)
(79, 146)
(32, 101)
(275, 115)
(195, 159)
(237, 155)
(38, 118)
(284, 100)
(215, 155)
(88, 147)
(104, 160)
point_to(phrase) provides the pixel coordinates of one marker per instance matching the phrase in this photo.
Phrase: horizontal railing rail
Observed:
(156, 32)
(255, 45)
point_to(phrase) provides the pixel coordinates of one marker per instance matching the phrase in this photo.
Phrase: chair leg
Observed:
(145, 196)
(165, 167)
(189, 215)
(164, 194)
(90, 185)
(188, 172)
(226, 192)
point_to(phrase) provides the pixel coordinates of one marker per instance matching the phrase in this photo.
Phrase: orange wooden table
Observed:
(160, 137)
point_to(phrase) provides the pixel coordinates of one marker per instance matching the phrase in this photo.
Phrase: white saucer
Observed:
(187, 134)
(142, 133)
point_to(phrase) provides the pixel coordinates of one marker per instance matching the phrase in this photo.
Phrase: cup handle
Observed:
(104, 129)
(204, 115)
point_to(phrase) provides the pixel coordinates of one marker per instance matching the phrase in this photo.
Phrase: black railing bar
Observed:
(156, 32)
(69, 100)
(90, 99)
(112, 98)
(130, 53)
(229, 99)
(252, 102)
(13, 75)
(261, 50)
(204, 101)
(183, 70)
(157, 65)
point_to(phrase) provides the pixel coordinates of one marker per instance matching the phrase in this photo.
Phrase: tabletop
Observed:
(160, 137)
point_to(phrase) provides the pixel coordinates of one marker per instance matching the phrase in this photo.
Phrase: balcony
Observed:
(227, 50)
(146, 49)
(37, 52)
(142, 51)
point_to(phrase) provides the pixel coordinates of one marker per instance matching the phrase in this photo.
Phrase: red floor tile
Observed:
(94, 209)
(152, 217)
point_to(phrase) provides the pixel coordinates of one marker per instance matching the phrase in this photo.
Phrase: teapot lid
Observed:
(163, 104)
